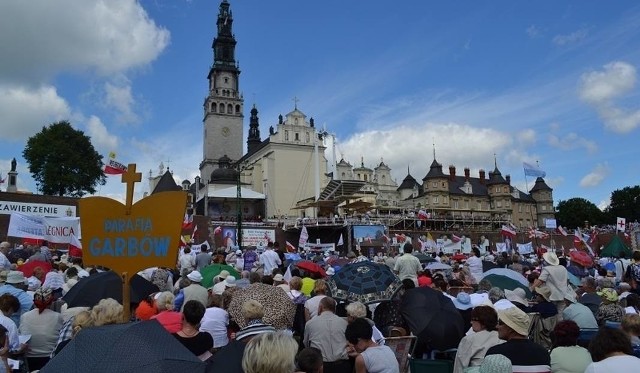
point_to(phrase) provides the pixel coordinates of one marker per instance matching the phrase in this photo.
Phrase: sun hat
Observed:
(544, 291)
(608, 294)
(195, 276)
(238, 252)
(515, 319)
(223, 274)
(517, 295)
(230, 281)
(462, 301)
(551, 258)
(330, 271)
(16, 277)
(278, 277)
(496, 364)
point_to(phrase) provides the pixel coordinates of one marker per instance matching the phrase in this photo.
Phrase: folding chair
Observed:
(402, 347)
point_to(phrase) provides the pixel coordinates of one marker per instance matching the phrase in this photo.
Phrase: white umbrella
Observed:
(435, 266)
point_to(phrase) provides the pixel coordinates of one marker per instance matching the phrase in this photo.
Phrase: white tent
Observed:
(232, 192)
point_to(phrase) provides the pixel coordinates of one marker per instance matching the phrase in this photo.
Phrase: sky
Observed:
(552, 82)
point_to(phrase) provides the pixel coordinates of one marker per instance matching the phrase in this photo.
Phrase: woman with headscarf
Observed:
(44, 327)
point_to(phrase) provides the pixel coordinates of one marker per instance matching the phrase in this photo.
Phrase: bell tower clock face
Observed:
(226, 131)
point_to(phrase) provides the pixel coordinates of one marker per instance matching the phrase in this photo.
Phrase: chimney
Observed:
(452, 173)
(482, 179)
(508, 178)
(467, 172)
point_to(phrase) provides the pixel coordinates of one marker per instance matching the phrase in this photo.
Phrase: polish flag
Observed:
(291, 248)
(423, 215)
(187, 223)
(508, 231)
(562, 231)
(217, 231)
(455, 238)
(577, 239)
(195, 229)
(400, 238)
(75, 247)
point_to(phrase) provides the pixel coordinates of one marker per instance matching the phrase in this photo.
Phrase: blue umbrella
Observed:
(365, 282)
(573, 279)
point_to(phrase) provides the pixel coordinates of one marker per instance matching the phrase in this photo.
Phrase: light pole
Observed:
(239, 196)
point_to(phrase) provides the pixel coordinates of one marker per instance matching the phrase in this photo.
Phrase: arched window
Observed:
(230, 109)
(343, 175)
(214, 107)
(237, 109)
(221, 107)
(365, 177)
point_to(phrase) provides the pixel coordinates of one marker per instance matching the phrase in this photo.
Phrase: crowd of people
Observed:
(550, 326)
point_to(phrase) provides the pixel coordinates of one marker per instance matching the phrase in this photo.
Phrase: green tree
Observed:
(573, 212)
(625, 203)
(63, 161)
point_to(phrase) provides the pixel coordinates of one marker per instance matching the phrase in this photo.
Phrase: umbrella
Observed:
(335, 261)
(211, 271)
(365, 282)
(432, 317)
(312, 267)
(90, 290)
(28, 267)
(487, 265)
(437, 266)
(573, 279)
(507, 279)
(582, 258)
(279, 310)
(423, 258)
(133, 347)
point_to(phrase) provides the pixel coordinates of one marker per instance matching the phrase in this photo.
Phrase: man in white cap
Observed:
(525, 354)
(195, 291)
(555, 277)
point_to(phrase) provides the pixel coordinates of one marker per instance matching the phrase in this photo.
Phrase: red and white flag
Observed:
(577, 239)
(187, 223)
(455, 238)
(290, 247)
(562, 231)
(621, 224)
(536, 233)
(340, 241)
(75, 247)
(400, 238)
(508, 231)
(113, 167)
(217, 230)
(195, 229)
(304, 237)
(423, 215)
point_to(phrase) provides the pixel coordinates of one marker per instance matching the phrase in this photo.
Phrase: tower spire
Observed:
(434, 148)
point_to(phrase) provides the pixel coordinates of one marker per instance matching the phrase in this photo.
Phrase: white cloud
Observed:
(527, 137)
(101, 139)
(596, 176)
(600, 88)
(573, 141)
(602, 205)
(119, 97)
(533, 32)
(103, 36)
(24, 111)
(615, 79)
(576, 36)
(456, 144)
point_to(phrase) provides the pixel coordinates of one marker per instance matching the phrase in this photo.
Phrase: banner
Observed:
(54, 230)
(525, 248)
(39, 209)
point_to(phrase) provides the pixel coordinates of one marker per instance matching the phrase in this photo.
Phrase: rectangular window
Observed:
(498, 204)
(435, 200)
(455, 205)
(544, 208)
(308, 137)
(519, 208)
(297, 136)
(435, 185)
(466, 204)
(506, 189)
(528, 208)
(286, 135)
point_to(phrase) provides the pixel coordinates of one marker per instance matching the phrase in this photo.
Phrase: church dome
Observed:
(224, 174)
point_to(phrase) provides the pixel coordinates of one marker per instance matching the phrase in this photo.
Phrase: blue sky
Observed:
(547, 81)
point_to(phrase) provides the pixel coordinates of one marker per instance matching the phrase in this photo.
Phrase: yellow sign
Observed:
(132, 237)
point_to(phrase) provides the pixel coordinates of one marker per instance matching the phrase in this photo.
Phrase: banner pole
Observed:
(126, 298)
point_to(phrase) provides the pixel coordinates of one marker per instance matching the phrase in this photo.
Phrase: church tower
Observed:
(253, 141)
(223, 107)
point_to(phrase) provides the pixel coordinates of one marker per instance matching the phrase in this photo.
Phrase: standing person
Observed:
(407, 265)
(270, 259)
(186, 261)
(250, 257)
(326, 332)
(280, 252)
(369, 356)
(555, 277)
(525, 354)
(475, 264)
(203, 258)
(612, 352)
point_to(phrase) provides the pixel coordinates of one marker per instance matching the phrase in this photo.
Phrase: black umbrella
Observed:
(365, 282)
(432, 317)
(90, 290)
(133, 347)
(487, 265)
(423, 258)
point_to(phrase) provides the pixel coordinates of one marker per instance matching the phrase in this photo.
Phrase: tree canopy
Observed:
(63, 161)
(573, 212)
(625, 203)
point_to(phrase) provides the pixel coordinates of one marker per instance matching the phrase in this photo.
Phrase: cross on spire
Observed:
(130, 178)
(295, 102)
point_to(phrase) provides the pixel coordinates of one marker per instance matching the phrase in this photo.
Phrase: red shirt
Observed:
(170, 320)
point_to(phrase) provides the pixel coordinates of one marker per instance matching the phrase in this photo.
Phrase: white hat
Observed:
(515, 319)
(517, 295)
(195, 276)
(331, 271)
(230, 281)
(278, 277)
(223, 274)
(551, 258)
(238, 252)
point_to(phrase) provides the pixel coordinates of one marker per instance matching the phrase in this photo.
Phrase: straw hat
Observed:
(551, 258)
(515, 319)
